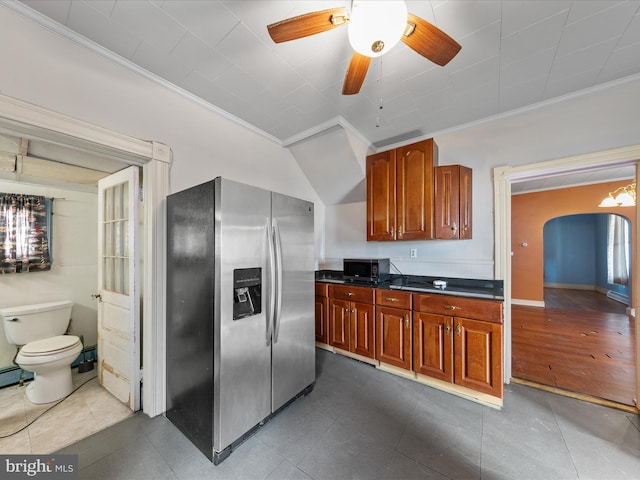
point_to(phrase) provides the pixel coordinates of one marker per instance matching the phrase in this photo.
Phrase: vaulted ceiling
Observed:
(514, 54)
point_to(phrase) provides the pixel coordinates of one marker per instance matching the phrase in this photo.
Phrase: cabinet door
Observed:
(362, 329)
(447, 202)
(433, 345)
(381, 196)
(414, 190)
(339, 323)
(478, 357)
(322, 319)
(466, 182)
(393, 336)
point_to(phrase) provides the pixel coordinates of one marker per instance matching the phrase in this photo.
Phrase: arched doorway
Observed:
(582, 339)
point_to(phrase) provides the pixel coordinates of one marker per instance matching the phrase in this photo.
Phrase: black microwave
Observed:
(365, 270)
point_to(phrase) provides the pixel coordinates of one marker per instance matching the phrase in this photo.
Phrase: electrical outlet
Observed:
(413, 253)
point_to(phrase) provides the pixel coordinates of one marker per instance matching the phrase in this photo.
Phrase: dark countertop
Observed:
(462, 287)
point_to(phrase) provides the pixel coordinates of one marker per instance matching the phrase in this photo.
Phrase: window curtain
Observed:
(25, 233)
(618, 250)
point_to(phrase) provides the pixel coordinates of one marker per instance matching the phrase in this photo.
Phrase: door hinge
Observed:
(141, 193)
(141, 375)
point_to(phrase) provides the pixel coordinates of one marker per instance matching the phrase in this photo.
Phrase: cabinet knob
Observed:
(389, 299)
(393, 232)
(346, 309)
(353, 311)
(400, 231)
(458, 329)
(349, 294)
(451, 307)
(454, 228)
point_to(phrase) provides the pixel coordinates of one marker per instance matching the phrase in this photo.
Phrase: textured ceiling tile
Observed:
(526, 42)
(597, 28)
(517, 16)
(209, 21)
(487, 71)
(93, 24)
(160, 63)
(478, 46)
(632, 33)
(582, 9)
(460, 18)
(562, 85)
(587, 59)
(517, 95)
(150, 22)
(213, 66)
(534, 66)
(622, 62)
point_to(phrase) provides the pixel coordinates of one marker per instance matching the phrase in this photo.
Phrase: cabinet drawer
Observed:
(487, 310)
(352, 294)
(322, 289)
(394, 299)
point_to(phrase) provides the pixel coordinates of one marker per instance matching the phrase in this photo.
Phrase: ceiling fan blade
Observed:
(355, 73)
(307, 24)
(429, 41)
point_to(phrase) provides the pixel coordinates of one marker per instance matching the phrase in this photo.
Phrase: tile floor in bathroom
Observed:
(88, 410)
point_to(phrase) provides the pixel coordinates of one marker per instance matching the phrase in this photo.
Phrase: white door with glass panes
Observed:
(118, 286)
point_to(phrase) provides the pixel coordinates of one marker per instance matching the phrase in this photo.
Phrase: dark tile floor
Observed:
(362, 423)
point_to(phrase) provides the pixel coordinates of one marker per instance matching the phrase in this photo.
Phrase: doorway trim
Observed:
(155, 158)
(504, 176)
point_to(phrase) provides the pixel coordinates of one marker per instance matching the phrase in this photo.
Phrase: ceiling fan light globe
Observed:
(375, 26)
(608, 202)
(625, 200)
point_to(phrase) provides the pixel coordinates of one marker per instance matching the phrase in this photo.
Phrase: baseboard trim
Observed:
(578, 396)
(527, 303)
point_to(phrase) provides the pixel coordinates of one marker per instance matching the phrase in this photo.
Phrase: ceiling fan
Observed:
(374, 28)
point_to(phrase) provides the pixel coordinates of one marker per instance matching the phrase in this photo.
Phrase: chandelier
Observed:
(621, 197)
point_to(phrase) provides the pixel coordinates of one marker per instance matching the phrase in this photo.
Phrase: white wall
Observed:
(596, 120)
(73, 275)
(43, 68)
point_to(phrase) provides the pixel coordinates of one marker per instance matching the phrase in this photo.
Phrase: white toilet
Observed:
(45, 350)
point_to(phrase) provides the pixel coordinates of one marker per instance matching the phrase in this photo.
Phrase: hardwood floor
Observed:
(581, 341)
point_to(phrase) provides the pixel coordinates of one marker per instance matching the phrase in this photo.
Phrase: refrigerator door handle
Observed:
(271, 284)
(278, 254)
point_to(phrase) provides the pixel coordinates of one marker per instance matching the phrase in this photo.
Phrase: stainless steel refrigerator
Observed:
(240, 310)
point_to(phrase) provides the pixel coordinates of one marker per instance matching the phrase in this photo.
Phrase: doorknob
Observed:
(97, 296)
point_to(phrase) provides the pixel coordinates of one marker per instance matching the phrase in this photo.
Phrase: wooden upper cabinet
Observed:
(381, 196)
(414, 190)
(400, 192)
(452, 212)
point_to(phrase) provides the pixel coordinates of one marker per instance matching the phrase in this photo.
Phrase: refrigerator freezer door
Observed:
(293, 355)
(242, 356)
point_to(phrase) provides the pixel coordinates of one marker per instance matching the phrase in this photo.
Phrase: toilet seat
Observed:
(50, 346)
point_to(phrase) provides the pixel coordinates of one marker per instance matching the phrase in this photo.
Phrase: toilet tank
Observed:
(27, 323)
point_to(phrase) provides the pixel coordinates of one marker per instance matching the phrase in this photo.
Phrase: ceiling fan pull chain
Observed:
(379, 81)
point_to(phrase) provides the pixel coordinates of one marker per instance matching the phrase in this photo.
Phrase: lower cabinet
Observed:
(459, 340)
(322, 313)
(352, 319)
(453, 339)
(393, 328)
(433, 352)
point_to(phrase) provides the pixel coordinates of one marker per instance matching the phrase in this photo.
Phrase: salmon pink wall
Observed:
(529, 213)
